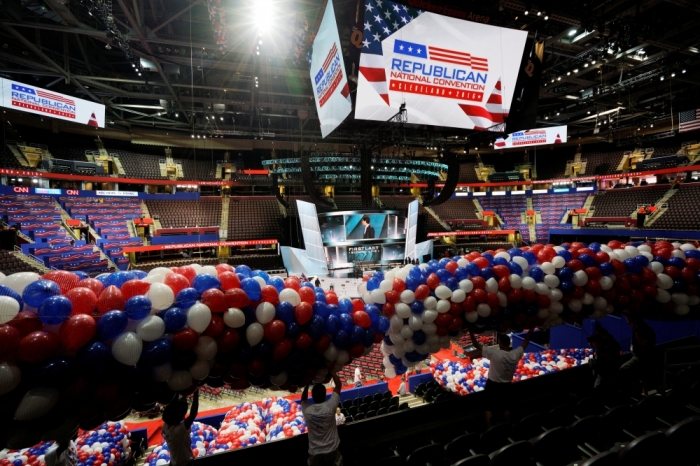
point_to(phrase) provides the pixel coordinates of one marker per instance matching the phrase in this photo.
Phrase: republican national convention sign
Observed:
(328, 77)
(449, 72)
(32, 99)
(532, 137)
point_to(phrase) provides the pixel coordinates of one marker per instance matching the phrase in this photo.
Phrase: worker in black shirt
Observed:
(641, 367)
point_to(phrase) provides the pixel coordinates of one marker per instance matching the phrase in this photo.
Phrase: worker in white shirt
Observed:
(358, 377)
(503, 360)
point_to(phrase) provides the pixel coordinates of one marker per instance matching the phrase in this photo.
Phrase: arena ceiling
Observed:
(240, 71)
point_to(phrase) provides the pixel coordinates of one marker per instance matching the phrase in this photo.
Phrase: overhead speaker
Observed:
(453, 166)
(276, 191)
(366, 177)
(308, 180)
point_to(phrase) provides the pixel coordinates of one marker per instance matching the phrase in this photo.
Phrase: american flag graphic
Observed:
(689, 120)
(382, 18)
(41, 93)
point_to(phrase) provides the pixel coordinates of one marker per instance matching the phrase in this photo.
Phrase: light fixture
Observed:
(662, 78)
(546, 117)
(585, 65)
(539, 13)
(546, 17)
(262, 14)
(557, 113)
(193, 136)
(545, 84)
(204, 137)
(683, 71)
(222, 118)
(589, 112)
(651, 125)
(568, 73)
(575, 70)
(177, 114)
(526, 12)
(573, 32)
(673, 75)
(558, 78)
(592, 62)
(639, 128)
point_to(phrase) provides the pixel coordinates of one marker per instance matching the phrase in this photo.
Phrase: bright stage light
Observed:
(262, 14)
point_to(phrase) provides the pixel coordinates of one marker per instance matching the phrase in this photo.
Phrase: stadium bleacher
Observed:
(205, 212)
(624, 202)
(680, 215)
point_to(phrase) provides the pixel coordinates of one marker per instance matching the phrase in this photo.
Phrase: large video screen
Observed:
(363, 236)
(328, 79)
(533, 137)
(447, 71)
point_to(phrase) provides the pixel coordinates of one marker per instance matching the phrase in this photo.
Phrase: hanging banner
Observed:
(32, 99)
(532, 137)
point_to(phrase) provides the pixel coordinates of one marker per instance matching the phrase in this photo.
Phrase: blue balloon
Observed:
(175, 319)
(432, 263)
(346, 322)
(187, 297)
(332, 324)
(606, 268)
(316, 326)
(321, 309)
(383, 324)
(565, 254)
(262, 274)
(515, 268)
(307, 285)
(7, 291)
(379, 275)
(452, 283)
(318, 289)
(277, 282)
(156, 353)
(244, 270)
(373, 284)
(371, 310)
(388, 342)
(537, 274)
(412, 283)
(566, 287)
(419, 337)
(513, 252)
(54, 371)
(81, 275)
(54, 310)
(487, 272)
(118, 278)
(473, 269)
(345, 305)
(368, 339)
(394, 360)
(285, 312)
(112, 324)
(694, 253)
(341, 339)
(443, 275)
(489, 257)
(676, 262)
(595, 247)
(588, 260)
(320, 298)
(102, 277)
(632, 265)
(417, 307)
(566, 273)
(500, 261)
(293, 330)
(357, 335)
(461, 273)
(36, 292)
(139, 274)
(204, 282)
(95, 356)
(252, 289)
(643, 260)
(530, 257)
(137, 307)
(415, 272)
(443, 262)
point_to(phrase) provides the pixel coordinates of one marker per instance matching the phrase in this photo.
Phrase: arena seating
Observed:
(38, 216)
(467, 173)
(198, 169)
(624, 202)
(9, 263)
(509, 208)
(370, 366)
(138, 165)
(254, 218)
(602, 163)
(552, 209)
(681, 215)
(205, 212)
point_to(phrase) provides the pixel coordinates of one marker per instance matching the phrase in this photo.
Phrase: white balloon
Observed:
(678, 253)
(548, 268)
(406, 332)
(504, 255)
(555, 294)
(663, 281)
(644, 248)
(362, 288)
(429, 316)
(516, 281)
(694, 300)
(159, 271)
(648, 255)
(403, 310)
(543, 313)
(430, 302)
(575, 305)
(663, 296)
(458, 296)
(442, 292)
(254, 334)
(206, 348)
(429, 329)
(605, 248)
(529, 283)
(389, 373)
(621, 254)
(580, 278)
(150, 328)
(9, 308)
(331, 352)
(161, 296)
(210, 270)
(343, 357)
(153, 279)
(407, 296)
(377, 296)
(502, 299)
(180, 380)
(491, 285)
(483, 310)
(521, 261)
(686, 247)
(556, 307)
(397, 339)
(385, 285)
(279, 379)
(558, 262)
(551, 281)
(198, 317)
(395, 323)
(234, 318)
(415, 323)
(443, 306)
(681, 309)
(587, 299)
(680, 298)
(605, 283)
(127, 348)
(632, 251)
(367, 297)
(471, 316)
(10, 377)
(19, 281)
(462, 262)
(291, 296)
(466, 285)
(409, 346)
(199, 370)
(36, 402)
(163, 372)
(265, 312)
(600, 303)
(197, 268)
(542, 288)
(657, 267)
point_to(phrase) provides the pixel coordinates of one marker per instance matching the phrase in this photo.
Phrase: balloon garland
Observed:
(95, 348)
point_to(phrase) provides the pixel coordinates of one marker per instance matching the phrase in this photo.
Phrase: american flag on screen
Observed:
(689, 120)
(382, 18)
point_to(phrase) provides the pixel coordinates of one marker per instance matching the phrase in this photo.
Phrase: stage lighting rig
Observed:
(102, 10)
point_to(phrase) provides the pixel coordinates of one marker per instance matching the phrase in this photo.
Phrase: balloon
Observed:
(150, 328)
(251, 288)
(54, 310)
(254, 334)
(185, 340)
(206, 348)
(265, 312)
(9, 308)
(138, 307)
(19, 281)
(215, 300)
(175, 318)
(186, 298)
(36, 292)
(83, 300)
(77, 331)
(234, 318)
(10, 377)
(126, 348)
(35, 403)
(180, 380)
(157, 353)
(160, 295)
(110, 299)
(198, 317)
(205, 281)
(229, 280)
(274, 331)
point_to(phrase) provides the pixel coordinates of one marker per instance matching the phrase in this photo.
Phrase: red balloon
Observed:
(83, 300)
(529, 296)
(281, 349)
(601, 257)
(388, 309)
(392, 297)
(9, 342)
(422, 292)
(618, 267)
(444, 320)
(481, 262)
(361, 318)
(615, 244)
(227, 340)
(322, 344)
(455, 309)
(515, 295)
(175, 281)
(274, 330)
(136, 287)
(575, 264)
(451, 267)
(331, 298)
(303, 313)
(77, 331)
(215, 300)
(637, 296)
(478, 282)
(492, 299)
(357, 305)
(303, 341)
(111, 299)
(650, 291)
(543, 301)
(593, 287)
(672, 272)
(223, 268)
(693, 263)
(501, 271)
(504, 284)
(578, 292)
(188, 272)
(64, 279)
(456, 324)
(256, 368)
(666, 253)
(94, 284)
(356, 350)
(432, 281)
(469, 304)
(586, 251)
(229, 280)
(26, 322)
(307, 295)
(38, 346)
(216, 326)
(398, 285)
(292, 282)
(237, 298)
(593, 273)
(472, 255)
(479, 295)
(185, 339)
(269, 294)
(648, 276)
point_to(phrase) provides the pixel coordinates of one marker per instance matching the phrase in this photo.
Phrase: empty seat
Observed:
(461, 447)
(681, 438)
(606, 458)
(646, 449)
(432, 454)
(476, 460)
(515, 453)
(494, 438)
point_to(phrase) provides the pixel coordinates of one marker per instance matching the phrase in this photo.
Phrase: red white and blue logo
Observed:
(36, 99)
(329, 77)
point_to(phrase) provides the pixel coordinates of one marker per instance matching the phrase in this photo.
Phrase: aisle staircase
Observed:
(434, 214)
(29, 259)
(662, 206)
(18, 154)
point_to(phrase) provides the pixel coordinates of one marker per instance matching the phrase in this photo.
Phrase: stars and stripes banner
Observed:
(32, 99)
(689, 120)
(447, 71)
(330, 83)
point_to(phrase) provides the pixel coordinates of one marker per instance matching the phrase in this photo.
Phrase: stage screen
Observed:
(448, 72)
(376, 236)
(328, 79)
(533, 137)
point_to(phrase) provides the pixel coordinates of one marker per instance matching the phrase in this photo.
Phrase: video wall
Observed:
(376, 236)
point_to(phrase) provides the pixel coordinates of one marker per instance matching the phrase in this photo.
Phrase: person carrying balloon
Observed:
(321, 423)
(503, 361)
(176, 429)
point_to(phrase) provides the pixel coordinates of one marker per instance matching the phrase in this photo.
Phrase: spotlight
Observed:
(585, 65)
(546, 117)
(557, 113)
(639, 128)
(568, 73)
(673, 75)
(546, 17)
(558, 78)
(193, 136)
(592, 62)
(662, 78)
(177, 114)
(575, 70)
(651, 125)
(539, 13)
(589, 112)
(683, 71)
(222, 118)
(262, 14)
(552, 79)
(526, 12)
(573, 32)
